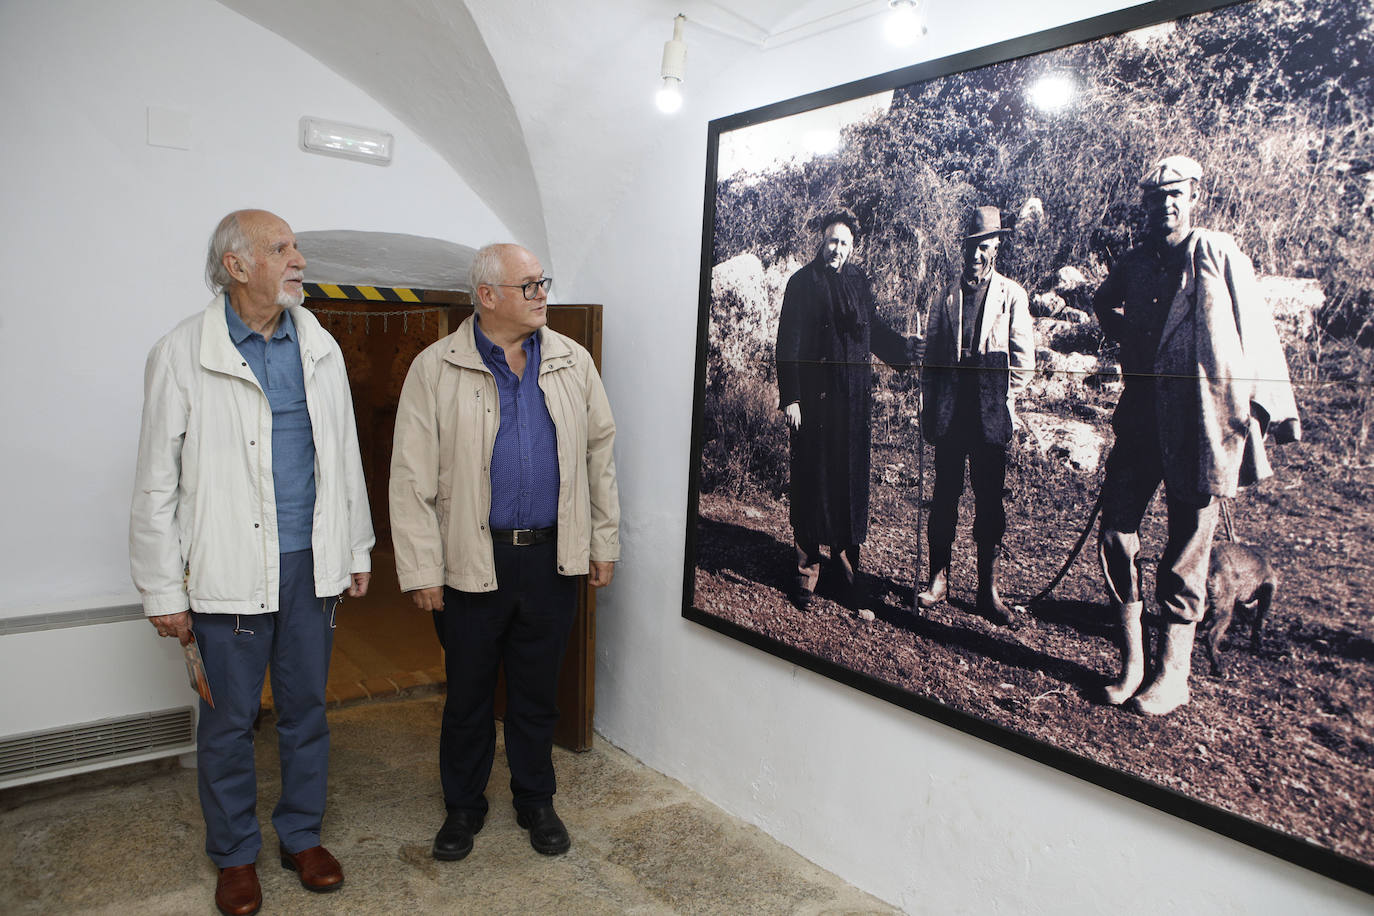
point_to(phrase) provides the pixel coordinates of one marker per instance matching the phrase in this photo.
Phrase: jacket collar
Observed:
(993, 305)
(554, 352)
(218, 353)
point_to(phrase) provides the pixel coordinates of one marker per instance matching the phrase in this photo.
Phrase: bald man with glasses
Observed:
(503, 493)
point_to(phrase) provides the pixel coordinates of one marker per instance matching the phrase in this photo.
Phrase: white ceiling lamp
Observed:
(330, 138)
(674, 68)
(905, 23)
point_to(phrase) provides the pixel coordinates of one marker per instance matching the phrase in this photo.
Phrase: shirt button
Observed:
(256, 525)
(252, 442)
(262, 605)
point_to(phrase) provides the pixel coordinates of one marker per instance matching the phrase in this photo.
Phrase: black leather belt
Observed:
(523, 537)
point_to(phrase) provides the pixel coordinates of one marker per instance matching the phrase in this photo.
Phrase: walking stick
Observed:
(920, 492)
(1073, 554)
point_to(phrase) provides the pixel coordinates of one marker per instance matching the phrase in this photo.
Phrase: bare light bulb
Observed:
(669, 97)
(903, 26)
(674, 68)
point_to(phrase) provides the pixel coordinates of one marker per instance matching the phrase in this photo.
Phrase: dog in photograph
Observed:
(1237, 575)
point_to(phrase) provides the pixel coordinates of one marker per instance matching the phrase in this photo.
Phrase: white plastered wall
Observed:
(106, 238)
(104, 252)
(919, 814)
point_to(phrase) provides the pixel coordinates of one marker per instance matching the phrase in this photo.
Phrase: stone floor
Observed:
(130, 841)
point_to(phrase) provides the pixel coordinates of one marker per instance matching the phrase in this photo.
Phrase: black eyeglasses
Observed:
(532, 288)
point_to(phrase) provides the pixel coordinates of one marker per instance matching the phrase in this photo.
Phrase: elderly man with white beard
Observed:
(249, 519)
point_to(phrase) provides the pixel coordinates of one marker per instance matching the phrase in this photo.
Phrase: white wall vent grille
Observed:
(44, 754)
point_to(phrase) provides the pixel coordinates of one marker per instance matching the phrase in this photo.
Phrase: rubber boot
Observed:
(1169, 690)
(990, 603)
(1132, 654)
(940, 555)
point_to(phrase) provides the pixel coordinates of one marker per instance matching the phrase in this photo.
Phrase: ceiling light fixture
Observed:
(904, 23)
(674, 68)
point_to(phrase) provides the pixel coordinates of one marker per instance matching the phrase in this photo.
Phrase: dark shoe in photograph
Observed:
(548, 836)
(318, 870)
(454, 839)
(238, 892)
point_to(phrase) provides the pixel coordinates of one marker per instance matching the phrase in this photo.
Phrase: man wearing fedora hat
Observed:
(1205, 376)
(980, 353)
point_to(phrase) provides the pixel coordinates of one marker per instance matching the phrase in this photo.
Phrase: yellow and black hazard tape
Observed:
(360, 293)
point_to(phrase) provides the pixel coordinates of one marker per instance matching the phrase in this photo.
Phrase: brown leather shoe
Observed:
(238, 892)
(319, 871)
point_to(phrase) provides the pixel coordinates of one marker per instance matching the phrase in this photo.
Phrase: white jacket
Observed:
(203, 528)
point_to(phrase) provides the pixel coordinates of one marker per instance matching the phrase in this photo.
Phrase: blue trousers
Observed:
(295, 642)
(523, 625)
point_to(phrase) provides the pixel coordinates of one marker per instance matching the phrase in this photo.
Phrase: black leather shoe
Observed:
(548, 836)
(454, 839)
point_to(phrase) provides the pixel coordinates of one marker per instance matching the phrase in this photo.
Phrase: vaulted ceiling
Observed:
(502, 88)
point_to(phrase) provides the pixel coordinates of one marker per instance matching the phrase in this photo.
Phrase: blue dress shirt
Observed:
(524, 458)
(277, 365)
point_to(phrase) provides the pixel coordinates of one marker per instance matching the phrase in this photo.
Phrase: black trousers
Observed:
(987, 466)
(987, 470)
(524, 625)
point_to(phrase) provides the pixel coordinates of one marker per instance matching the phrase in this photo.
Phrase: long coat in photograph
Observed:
(1216, 372)
(1005, 360)
(827, 329)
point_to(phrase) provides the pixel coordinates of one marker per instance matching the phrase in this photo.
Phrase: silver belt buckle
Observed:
(522, 537)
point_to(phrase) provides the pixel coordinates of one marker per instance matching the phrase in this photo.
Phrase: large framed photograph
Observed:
(1034, 395)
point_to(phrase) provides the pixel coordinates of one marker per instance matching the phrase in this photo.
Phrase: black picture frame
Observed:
(774, 638)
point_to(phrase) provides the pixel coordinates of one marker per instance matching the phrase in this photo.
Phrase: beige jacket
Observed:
(446, 425)
(1217, 379)
(1006, 345)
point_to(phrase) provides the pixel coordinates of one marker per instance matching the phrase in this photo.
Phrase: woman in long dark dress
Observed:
(828, 327)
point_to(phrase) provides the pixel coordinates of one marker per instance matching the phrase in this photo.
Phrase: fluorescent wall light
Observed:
(349, 141)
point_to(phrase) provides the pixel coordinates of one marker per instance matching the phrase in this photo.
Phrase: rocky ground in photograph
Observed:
(1285, 738)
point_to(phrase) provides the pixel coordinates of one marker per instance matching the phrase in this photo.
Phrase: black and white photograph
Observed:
(1034, 395)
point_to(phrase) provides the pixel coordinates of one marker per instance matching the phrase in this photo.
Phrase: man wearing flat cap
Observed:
(1205, 377)
(826, 331)
(980, 353)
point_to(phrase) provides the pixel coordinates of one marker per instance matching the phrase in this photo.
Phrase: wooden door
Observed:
(381, 331)
(577, 681)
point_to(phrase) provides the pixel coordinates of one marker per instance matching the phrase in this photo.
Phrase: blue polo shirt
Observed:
(524, 459)
(276, 363)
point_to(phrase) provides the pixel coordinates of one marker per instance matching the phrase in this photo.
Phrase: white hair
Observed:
(227, 237)
(488, 266)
